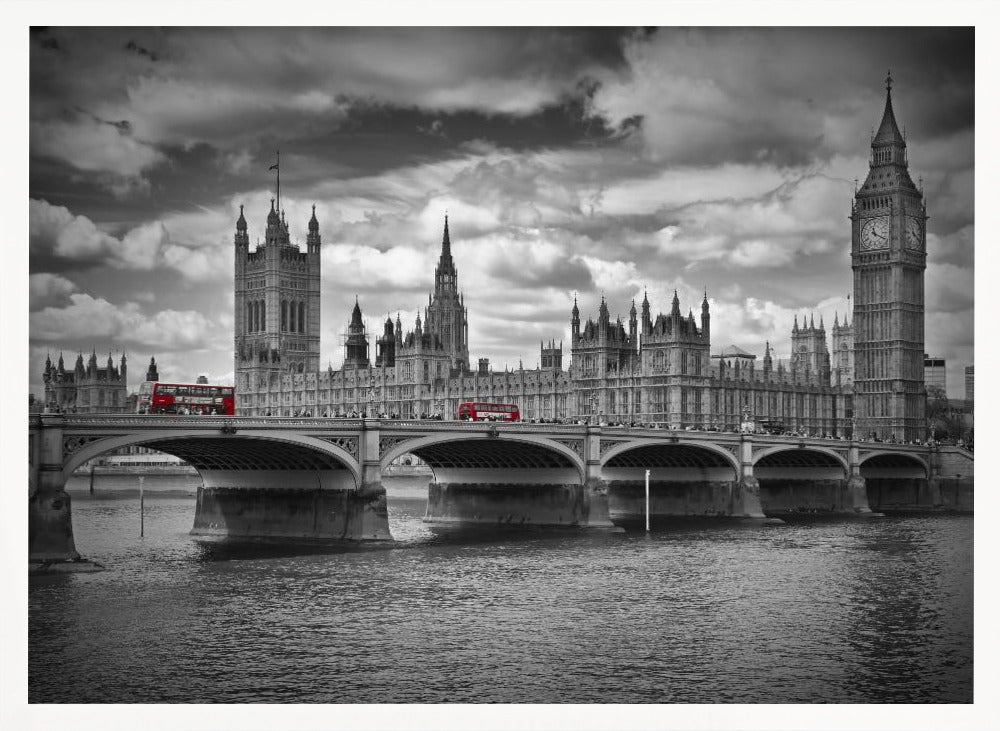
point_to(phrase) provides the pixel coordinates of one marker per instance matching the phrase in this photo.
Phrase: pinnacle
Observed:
(888, 130)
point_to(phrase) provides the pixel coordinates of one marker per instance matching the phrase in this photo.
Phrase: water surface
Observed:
(824, 611)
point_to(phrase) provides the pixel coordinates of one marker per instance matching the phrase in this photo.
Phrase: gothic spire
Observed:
(356, 313)
(313, 222)
(446, 240)
(241, 222)
(603, 311)
(888, 130)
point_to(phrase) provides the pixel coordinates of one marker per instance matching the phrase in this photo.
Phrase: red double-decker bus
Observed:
(186, 398)
(479, 411)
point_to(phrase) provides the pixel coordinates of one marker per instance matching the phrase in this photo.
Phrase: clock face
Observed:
(914, 233)
(875, 233)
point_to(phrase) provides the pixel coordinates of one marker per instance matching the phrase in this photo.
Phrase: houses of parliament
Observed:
(651, 369)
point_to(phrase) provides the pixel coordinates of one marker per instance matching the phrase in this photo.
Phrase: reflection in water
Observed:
(831, 611)
(900, 605)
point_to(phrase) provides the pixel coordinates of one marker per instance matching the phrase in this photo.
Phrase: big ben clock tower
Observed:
(888, 256)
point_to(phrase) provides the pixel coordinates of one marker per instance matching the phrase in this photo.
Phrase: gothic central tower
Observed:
(277, 305)
(446, 315)
(888, 256)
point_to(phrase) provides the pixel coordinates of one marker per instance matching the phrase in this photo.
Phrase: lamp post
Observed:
(593, 407)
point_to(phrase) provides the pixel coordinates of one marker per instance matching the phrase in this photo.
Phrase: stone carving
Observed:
(348, 444)
(387, 443)
(607, 444)
(575, 444)
(72, 444)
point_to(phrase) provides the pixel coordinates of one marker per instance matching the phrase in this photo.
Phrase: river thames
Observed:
(873, 611)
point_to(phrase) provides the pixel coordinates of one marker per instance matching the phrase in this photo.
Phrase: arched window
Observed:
(255, 318)
(291, 316)
(284, 315)
(248, 325)
(302, 317)
(263, 315)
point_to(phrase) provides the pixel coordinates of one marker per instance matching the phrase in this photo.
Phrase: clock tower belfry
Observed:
(889, 256)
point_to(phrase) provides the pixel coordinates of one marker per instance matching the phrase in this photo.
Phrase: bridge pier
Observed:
(857, 492)
(307, 505)
(511, 498)
(51, 546)
(746, 490)
(545, 495)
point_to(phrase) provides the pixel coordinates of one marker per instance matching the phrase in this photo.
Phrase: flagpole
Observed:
(278, 166)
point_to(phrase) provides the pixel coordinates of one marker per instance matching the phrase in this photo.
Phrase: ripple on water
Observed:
(874, 611)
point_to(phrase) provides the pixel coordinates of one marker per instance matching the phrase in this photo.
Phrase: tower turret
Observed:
(356, 340)
(633, 324)
(705, 317)
(647, 320)
(241, 238)
(313, 238)
(575, 320)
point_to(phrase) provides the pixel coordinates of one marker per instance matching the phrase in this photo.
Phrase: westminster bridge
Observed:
(320, 479)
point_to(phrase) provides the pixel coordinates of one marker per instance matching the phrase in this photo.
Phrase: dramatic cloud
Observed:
(571, 162)
(88, 319)
(49, 290)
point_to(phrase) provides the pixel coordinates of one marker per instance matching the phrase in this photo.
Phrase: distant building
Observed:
(86, 390)
(646, 368)
(733, 354)
(842, 357)
(202, 379)
(934, 373)
(969, 388)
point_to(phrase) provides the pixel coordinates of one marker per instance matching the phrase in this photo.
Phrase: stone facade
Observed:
(86, 390)
(652, 370)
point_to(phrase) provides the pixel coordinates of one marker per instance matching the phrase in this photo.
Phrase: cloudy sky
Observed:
(581, 162)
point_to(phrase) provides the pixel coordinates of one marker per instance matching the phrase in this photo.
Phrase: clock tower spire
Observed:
(888, 256)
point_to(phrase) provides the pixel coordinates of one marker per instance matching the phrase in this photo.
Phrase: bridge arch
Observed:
(795, 456)
(892, 464)
(687, 477)
(686, 453)
(797, 479)
(264, 450)
(481, 450)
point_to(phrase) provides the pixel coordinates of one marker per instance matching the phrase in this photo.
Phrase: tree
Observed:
(943, 421)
